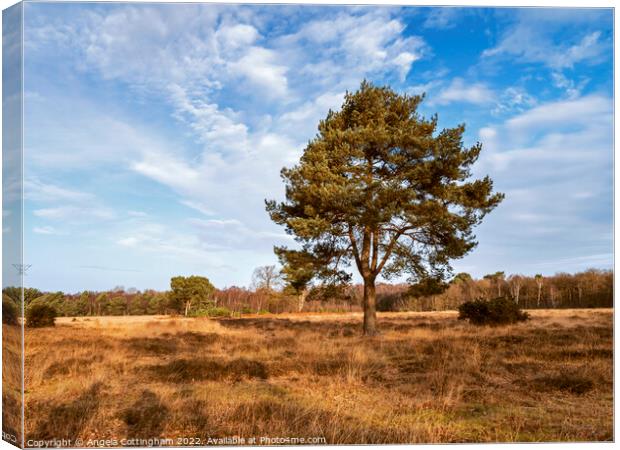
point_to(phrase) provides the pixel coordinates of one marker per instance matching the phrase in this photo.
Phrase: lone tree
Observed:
(190, 292)
(380, 186)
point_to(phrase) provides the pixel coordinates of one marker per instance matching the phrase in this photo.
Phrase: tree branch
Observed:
(356, 254)
(375, 250)
(388, 252)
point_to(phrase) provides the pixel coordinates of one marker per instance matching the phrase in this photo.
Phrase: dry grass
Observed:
(11, 382)
(427, 378)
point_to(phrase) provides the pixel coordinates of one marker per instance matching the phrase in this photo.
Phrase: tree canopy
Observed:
(190, 292)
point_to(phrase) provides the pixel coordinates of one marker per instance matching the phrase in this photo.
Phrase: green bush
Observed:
(40, 315)
(215, 311)
(499, 311)
(10, 311)
(246, 310)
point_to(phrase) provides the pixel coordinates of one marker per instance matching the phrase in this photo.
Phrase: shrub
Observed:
(499, 311)
(215, 311)
(246, 310)
(40, 315)
(9, 311)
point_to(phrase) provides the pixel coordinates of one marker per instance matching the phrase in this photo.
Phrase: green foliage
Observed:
(427, 286)
(380, 186)
(117, 306)
(10, 311)
(499, 311)
(215, 311)
(40, 314)
(298, 268)
(190, 294)
(15, 293)
(378, 178)
(54, 299)
(462, 277)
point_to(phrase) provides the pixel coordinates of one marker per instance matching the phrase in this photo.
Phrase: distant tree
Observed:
(462, 277)
(381, 187)
(464, 281)
(428, 287)
(15, 293)
(539, 284)
(190, 292)
(117, 306)
(515, 282)
(298, 270)
(498, 279)
(101, 303)
(265, 278)
(10, 311)
(157, 302)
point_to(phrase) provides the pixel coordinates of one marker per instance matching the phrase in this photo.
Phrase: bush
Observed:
(9, 311)
(40, 315)
(215, 311)
(499, 311)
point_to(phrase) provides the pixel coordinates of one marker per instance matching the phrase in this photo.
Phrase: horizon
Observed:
(356, 283)
(160, 131)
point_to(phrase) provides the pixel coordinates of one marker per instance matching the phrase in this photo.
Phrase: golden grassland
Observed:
(11, 382)
(427, 378)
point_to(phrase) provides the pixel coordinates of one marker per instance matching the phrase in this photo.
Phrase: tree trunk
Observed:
(302, 299)
(370, 308)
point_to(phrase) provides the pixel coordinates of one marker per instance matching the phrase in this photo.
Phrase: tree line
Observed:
(269, 293)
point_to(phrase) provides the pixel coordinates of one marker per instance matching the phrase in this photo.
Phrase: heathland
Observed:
(427, 377)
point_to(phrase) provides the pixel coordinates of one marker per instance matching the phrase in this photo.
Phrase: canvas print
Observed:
(237, 224)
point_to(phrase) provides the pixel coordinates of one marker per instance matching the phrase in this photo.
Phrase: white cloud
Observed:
(45, 192)
(260, 67)
(443, 18)
(461, 91)
(347, 47)
(573, 90)
(47, 230)
(75, 214)
(584, 112)
(532, 39)
(194, 59)
(545, 160)
(237, 35)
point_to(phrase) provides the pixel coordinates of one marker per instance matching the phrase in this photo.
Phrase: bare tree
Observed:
(265, 278)
(539, 283)
(515, 282)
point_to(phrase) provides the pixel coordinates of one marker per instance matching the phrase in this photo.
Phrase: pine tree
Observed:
(380, 186)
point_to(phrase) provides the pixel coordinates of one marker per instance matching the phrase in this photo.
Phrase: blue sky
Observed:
(154, 132)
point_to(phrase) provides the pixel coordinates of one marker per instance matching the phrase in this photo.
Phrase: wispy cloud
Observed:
(461, 91)
(533, 37)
